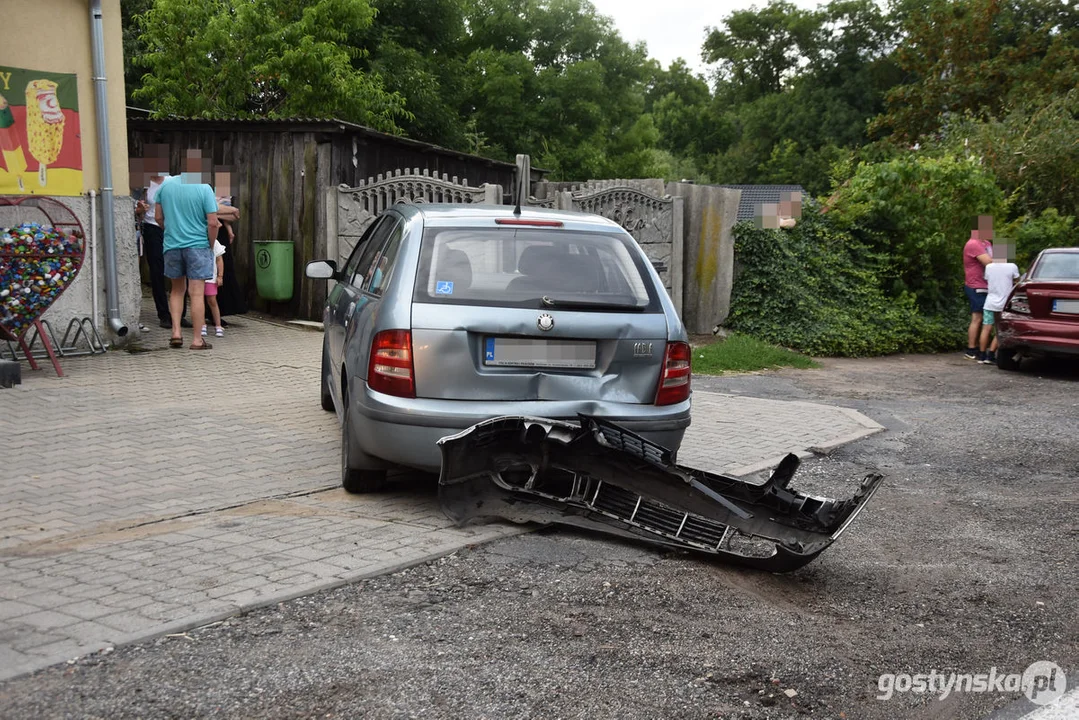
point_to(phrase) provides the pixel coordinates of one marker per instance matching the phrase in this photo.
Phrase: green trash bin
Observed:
(273, 269)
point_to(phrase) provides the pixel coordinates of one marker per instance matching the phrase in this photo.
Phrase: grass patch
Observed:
(743, 353)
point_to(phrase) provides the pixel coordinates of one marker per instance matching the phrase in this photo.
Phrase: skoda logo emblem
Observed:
(545, 322)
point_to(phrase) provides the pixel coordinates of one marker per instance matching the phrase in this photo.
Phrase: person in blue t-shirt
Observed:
(187, 210)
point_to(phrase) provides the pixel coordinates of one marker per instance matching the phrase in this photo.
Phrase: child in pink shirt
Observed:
(211, 289)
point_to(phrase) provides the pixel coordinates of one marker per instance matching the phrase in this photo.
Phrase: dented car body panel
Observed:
(603, 477)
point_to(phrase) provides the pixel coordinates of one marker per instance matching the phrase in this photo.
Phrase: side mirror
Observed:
(322, 270)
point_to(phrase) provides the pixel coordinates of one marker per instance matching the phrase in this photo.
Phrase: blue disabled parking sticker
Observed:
(444, 287)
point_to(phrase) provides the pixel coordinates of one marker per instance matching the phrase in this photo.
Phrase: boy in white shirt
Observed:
(1000, 275)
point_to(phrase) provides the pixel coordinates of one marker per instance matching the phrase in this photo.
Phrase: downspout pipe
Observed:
(108, 215)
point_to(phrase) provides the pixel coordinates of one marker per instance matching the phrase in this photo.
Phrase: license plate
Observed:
(532, 352)
(1070, 307)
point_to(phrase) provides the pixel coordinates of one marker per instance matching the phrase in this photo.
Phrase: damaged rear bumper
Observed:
(603, 477)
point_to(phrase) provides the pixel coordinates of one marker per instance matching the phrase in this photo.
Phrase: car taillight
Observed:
(674, 379)
(1019, 304)
(390, 368)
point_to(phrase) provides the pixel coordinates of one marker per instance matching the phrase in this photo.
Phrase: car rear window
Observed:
(1057, 266)
(520, 267)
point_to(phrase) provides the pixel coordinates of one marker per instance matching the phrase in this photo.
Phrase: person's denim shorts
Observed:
(195, 263)
(976, 298)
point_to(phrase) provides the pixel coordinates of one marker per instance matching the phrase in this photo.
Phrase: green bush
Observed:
(918, 210)
(1033, 234)
(816, 289)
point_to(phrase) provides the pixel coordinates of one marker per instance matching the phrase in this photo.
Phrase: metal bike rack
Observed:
(69, 346)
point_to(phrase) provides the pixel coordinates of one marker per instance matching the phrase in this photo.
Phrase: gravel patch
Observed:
(963, 561)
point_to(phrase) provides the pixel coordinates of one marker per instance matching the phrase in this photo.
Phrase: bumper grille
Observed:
(654, 516)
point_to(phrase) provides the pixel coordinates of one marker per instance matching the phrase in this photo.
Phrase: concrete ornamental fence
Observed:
(684, 229)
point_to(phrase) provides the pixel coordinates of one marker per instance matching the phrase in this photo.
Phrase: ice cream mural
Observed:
(40, 147)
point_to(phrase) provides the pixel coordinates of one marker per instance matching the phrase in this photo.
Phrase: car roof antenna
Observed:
(524, 172)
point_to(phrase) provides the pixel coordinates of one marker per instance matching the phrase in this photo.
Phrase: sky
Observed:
(674, 28)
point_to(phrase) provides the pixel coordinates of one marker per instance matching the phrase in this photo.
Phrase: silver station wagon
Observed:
(448, 315)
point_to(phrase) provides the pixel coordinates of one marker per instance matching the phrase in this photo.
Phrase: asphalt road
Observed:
(964, 561)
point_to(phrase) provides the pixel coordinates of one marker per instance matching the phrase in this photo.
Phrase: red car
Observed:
(1041, 316)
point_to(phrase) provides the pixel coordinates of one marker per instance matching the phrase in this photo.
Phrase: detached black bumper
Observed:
(603, 477)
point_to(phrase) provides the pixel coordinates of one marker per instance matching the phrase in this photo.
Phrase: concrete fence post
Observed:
(678, 240)
(708, 254)
(333, 242)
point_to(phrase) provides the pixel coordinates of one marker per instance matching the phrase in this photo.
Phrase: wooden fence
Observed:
(280, 171)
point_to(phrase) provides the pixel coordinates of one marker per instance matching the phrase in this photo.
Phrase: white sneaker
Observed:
(220, 331)
(204, 331)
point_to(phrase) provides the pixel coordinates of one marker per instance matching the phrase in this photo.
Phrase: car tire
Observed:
(1006, 360)
(356, 480)
(326, 393)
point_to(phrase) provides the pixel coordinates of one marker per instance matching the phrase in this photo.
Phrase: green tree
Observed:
(758, 49)
(809, 167)
(502, 25)
(417, 47)
(979, 57)
(795, 87)
(692, 130)
(554, 79)
(677, 80)
(266, 58)
(130, 10)
(501, 97)
(1033, 151)
(690, 124)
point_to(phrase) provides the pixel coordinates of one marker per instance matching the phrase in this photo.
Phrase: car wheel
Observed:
(1006, 360)
(353, 479)
(327, 394)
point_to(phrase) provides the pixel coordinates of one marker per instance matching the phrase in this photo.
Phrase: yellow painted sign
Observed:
(40, 142)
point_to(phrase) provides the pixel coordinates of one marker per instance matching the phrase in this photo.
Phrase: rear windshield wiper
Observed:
(589, 304)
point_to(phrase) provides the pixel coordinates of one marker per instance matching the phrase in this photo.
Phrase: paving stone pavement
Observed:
(151, 492)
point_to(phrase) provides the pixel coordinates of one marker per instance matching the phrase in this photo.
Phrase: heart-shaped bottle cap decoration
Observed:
(37, 263)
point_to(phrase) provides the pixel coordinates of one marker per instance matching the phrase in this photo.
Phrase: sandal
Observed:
(176, 342)
(205, 346)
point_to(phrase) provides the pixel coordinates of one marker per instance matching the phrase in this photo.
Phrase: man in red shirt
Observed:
(977, 253)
